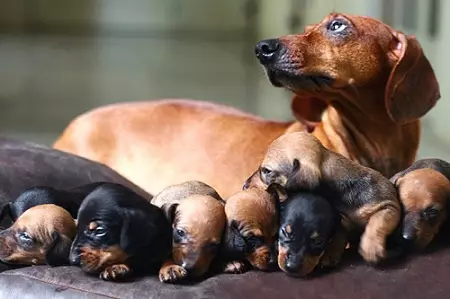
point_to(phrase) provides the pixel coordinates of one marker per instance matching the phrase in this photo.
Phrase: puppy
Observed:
(252, 227)
(198, 219)
(119, 233)
(70, 200)
(424, 191)
(365, 198)
(308, 223)
(41, 235)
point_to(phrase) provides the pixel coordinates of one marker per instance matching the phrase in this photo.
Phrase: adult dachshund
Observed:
(360, 87)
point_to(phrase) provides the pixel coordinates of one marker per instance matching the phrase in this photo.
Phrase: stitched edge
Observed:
(57, 284)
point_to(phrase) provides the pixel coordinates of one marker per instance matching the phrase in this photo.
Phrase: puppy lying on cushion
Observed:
(41, 235)
(198, 220)
(118, 233)
(365, 198)
(70, 200)
(424, 191)
(307, 225)
(252, 227)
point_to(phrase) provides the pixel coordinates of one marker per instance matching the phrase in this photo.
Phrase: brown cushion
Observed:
(421, 277)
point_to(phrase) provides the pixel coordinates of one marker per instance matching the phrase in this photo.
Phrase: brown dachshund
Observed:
(364, 197)
(424, 190)
(366, 83)
(198, 220)
(41, 235)
(252, 227)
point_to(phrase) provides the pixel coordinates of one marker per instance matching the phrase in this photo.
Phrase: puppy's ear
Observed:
(277, 191)
(412, 89)
(5, 210)
(170, 210)
(395, 177)
(58, 251)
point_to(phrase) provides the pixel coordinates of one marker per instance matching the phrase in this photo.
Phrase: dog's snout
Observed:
(292, 266)
(75, 256)
(266, 50)
(409, 236)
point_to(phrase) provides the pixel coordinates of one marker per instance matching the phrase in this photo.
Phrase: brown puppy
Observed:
(365, 83)
(365, 198)
(41, 235)
(197, 214)
(252, 227)
(424, 190)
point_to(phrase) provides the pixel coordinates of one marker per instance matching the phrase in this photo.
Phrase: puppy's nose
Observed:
(266, 50)
(409, 236)
(75, 256)
(292, 267)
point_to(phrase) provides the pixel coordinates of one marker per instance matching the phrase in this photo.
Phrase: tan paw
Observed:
(116, 273)
(172, 274)
(373, 251)
(235, 267)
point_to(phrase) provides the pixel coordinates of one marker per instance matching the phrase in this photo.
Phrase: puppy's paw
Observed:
(172, 274)
(373, 251)
(116, 273)
(330, 260)
(235, 267)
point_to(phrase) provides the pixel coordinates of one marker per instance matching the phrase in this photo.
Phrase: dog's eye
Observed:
(317, 242)
(181, 233)
(25, 237)
(265, 170)
(337, 26)
(430, 214)
(100, 231)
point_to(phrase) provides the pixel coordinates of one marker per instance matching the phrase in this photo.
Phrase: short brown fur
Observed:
(382, 84)
(299, 161)
(39, 222)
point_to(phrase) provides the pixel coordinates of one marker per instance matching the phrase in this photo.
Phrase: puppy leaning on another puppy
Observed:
(366, 199)
(41, 235)
(118, 233)
(198, 219)
(424, 190)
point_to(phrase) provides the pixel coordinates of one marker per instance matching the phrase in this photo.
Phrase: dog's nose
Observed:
(292, 267)
(74, 256)
(409, 236)
(265, 50)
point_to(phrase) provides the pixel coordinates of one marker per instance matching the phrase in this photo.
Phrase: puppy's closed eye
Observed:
(25, 240)
(430, 214)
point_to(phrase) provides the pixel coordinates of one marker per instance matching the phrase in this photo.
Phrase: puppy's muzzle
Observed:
(409, 230)
(75, 255)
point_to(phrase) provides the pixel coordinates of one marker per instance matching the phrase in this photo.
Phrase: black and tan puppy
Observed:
(198, 219)
(118, 233)
(424, 191)
(366, 199)
(41, 235)
(310, 234)
(70, 199)
(252, 227)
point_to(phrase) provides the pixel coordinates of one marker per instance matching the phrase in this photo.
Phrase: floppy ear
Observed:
(396, 176)
(412, 89)
(57, 253)
(308, 111)
(5, 210)
(277, 191)
(169, 210)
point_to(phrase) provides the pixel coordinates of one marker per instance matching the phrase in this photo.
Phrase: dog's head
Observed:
(424, 194)
(293, 160)
(198, 222)
(252, 217)
(347, 54)
(41, 235)
(307, 224)
(117, 226)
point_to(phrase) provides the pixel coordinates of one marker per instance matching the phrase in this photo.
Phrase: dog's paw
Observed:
(235, 267)
(372, 251)
(172, 274)
(329, 260)
(116, 273)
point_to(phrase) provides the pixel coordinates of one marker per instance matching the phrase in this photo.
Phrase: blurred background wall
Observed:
(59, 58)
